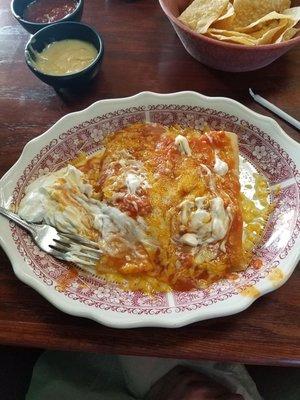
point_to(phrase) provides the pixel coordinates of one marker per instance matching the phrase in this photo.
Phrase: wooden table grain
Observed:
(142, 52)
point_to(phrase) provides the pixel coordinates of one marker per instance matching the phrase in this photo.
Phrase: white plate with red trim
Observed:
(263, 144)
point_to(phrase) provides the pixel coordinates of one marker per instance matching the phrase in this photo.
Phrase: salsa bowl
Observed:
(18, 7)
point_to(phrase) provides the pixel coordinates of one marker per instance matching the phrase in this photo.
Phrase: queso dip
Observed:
(65, 57)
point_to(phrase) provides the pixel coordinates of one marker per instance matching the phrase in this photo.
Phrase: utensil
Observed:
(276, 110)
(64, 246)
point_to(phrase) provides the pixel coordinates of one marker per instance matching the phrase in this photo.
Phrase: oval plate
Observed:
(264, 146)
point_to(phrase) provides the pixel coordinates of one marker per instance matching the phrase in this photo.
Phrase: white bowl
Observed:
(264, 146)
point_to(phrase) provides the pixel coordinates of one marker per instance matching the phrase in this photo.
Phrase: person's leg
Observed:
(76, 376)
(276, 383)
(16, 364)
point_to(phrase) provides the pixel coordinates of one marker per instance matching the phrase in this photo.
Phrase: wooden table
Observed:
(142, 52)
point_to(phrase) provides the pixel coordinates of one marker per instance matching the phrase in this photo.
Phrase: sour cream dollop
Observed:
(207, 222)
(183, 145)
(63, 199)
(220, 167)
(38, 202)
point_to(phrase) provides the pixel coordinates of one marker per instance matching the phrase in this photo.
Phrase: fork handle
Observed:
(17, 219)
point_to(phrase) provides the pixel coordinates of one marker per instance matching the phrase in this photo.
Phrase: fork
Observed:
(64, 246)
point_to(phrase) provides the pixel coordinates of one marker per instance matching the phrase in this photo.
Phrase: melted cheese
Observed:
(163, 203)
(65, 57)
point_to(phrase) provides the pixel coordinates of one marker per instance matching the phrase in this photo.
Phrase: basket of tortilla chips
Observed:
(235, 35)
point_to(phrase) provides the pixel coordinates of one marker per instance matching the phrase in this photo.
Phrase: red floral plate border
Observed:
(256, 146)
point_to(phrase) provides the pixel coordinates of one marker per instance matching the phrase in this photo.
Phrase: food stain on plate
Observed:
(67, 279)
(257, 263)
(250, 291)
(276, 275)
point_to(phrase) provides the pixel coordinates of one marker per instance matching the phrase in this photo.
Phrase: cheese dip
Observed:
(65, 57)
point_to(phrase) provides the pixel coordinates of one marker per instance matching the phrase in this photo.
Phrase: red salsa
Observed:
(44, 11)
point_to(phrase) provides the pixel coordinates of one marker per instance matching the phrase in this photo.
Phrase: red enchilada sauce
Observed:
(44, 11)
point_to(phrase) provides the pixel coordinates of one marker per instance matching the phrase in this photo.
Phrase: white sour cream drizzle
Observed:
(82, 212)
(183, 145)
(220, 167)
(131, 175)
(38, 204)
(208, 174)
(135, 181)
(206, 222)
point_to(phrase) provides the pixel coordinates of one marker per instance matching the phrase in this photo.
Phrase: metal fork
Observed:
(64, 246)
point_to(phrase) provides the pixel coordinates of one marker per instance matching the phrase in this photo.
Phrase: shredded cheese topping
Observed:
(163, 203)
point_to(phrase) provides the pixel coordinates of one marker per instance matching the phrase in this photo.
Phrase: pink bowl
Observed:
(221, 55)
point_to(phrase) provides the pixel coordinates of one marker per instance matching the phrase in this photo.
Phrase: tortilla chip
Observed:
(248, 22)
(200, 14)
(287, 34)
(268, 35)
(231, 36)
(261, 30)
(293, 13)
(228, 12)
(265, 35)
(226, 19)
(290, 31)
(260, 23)
(249, 11)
